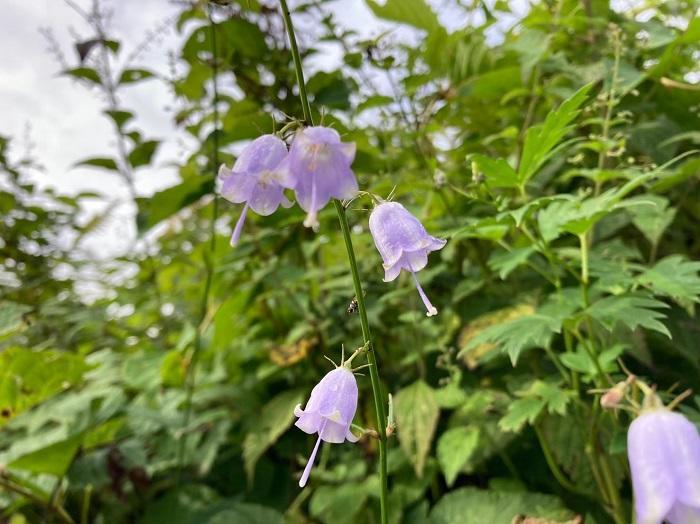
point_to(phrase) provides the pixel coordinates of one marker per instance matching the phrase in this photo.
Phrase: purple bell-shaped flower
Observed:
(664, 454)
(255, 179)
(403, 243)
(329, 411)
(318, 169)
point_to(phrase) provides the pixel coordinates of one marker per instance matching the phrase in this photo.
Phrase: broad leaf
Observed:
(496, 171)
(474, 506)
(417, 414)
(454, 449)
(276, 416)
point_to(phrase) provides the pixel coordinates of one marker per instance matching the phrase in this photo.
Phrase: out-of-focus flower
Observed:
(255, 179)
(318, 169)
(329, 411)
(664, 454)
(403, 243)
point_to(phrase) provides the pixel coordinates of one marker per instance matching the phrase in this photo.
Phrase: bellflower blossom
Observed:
(255, 179)
(403, 243)
(329, 411)
(318, 169)
(664, 454)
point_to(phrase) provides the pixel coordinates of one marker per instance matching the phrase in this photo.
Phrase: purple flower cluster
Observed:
(317, 168)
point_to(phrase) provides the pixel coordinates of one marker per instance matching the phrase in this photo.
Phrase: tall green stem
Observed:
(379, 397)
(191, 372)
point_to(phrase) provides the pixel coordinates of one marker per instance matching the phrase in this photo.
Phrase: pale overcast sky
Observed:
(64, 119)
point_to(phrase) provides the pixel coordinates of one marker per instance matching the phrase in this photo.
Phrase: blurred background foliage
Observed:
(556, 156)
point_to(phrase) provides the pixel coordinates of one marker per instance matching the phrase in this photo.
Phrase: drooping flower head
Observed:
(403, 243)
(255, 179)
(329, 411)
(663, 448)
(318, 169)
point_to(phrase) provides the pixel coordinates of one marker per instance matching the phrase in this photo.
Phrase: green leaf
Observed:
(120, 117)
(632, 310)
(496, 171)
(521, 411)
(244, 120)
(105, 163)
(580, 361)
(129, 76)
(488, 228)
(338, 504)
(653, 220)
(514, 336)
(532, 46)
(166, 203)
(505, 262)
(30, 377)
(454, 449)
(330, 89)
(675, 277)
(417, 414)
(474, 506)
(84, 73)
(53, 459)
(276, 416)
(11, 317)
(416, 13)
(143, 153)
(540, 140)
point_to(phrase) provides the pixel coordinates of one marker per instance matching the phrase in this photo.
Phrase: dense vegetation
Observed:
(557, 157)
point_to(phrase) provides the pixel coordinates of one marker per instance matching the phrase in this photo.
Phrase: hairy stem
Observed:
(357, 283)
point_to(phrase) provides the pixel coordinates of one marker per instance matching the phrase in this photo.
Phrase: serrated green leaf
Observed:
(632, 310)
(540, 140)
(505, 262)
(474, 506)
(520, 412)
(454, 449)
(417, 414)
(497, 172)
(675, 277)
(653, 220)
(416, 13)
(514, 336)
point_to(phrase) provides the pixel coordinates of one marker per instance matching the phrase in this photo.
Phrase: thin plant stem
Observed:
(190, 379)
(357, 283)
(57, 509)
(85, 507)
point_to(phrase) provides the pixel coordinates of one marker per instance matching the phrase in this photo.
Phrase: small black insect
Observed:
(352, 306)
